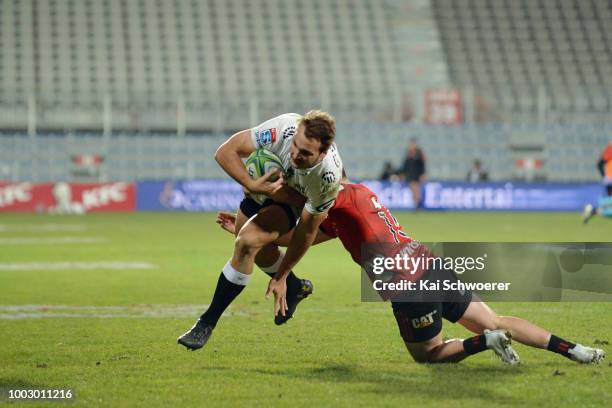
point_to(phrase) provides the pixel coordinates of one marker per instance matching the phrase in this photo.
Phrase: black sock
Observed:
(560, 346)
(475, 344)
(294, 284)
(225, 293)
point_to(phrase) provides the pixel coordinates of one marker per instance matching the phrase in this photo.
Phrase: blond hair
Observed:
(319, 125)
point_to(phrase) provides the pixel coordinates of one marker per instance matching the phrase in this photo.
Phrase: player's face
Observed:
(305, 152)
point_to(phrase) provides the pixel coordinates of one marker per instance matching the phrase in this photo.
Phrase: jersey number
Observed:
(390, 221)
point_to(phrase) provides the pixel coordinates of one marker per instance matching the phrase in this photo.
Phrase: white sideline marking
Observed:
(50, 240)
(54, 266)
(15, 312)
(42, 227)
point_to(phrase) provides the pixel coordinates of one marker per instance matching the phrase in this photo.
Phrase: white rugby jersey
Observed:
(320, 183)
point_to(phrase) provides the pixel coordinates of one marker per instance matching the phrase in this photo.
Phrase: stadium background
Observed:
(126, 102)
(146, 90)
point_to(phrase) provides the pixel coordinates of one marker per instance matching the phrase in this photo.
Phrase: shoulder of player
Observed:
(287, 125)
(329, 172)
(277, 131)
(320, 181)
(291, 115)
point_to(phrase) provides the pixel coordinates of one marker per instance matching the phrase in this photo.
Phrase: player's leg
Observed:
(479, 317)
(420, 326)
(603, 208)
(415, 188)
(454, 350)
(261, 229)
(437, 351)
(269, 258)
(241, 219)
(588, 212)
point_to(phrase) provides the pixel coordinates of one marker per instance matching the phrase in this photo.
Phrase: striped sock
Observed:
(475, 344)
(560, 346)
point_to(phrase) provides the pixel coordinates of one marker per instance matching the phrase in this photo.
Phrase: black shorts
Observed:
(250, 207)
(422, 320)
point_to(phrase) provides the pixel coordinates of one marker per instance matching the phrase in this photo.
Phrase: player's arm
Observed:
(305, 233)
(302, 239)
(229, 156)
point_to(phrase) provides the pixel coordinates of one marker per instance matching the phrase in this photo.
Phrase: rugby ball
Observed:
(260, 162)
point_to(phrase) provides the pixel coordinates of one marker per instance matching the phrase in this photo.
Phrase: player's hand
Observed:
(279, 289)
(227, 221)
(263, 185)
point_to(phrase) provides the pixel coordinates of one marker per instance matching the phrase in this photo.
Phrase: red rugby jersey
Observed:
(357, 218)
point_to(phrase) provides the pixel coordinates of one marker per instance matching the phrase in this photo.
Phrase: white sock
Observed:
(274, 267)
(232, 275)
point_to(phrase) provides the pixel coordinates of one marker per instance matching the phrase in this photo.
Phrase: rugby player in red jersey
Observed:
(357, 217)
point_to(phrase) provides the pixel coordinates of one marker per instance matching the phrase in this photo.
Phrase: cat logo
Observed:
(424, 321)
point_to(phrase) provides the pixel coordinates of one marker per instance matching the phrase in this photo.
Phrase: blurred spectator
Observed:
(604, 207)
(605, 168)
(477, 174)
(389, 173)
(413, 170)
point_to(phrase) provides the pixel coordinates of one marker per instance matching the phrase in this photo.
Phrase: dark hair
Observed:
(321, 126)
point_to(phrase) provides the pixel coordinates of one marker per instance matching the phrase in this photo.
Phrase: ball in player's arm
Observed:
(229, 156)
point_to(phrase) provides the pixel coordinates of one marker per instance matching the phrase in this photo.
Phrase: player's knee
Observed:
(246, 244)
(427, 357)
(422, 353)
(266, 256)
(424, 358)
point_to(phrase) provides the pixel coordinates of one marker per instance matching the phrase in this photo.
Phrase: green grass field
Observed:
(109, 332)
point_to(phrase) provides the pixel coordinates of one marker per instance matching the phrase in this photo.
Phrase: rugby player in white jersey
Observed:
(313, 170)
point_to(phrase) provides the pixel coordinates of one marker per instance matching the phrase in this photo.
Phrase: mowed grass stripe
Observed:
(62, 240)
(63, 266)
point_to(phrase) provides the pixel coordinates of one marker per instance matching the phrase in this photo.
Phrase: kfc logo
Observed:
(104, 195)
(11, 194)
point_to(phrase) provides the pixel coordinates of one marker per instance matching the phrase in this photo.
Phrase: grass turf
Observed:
(337, 351)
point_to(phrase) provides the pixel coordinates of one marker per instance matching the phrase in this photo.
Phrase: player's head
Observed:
(315, 134)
